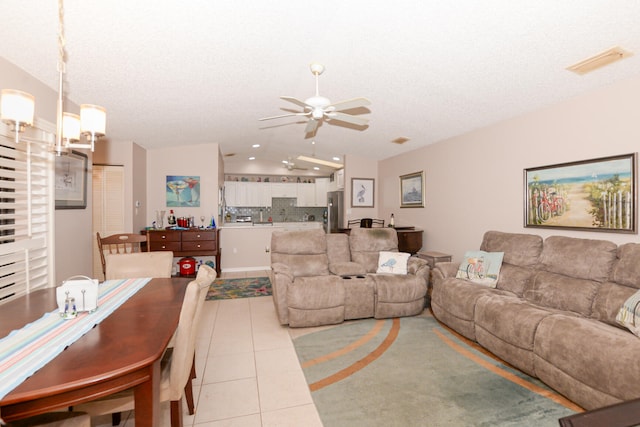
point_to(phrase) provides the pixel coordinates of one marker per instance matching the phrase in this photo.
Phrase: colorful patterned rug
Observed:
(415, 372)
(239, 288)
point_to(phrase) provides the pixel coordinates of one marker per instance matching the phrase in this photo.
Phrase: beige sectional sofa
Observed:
(321, 279)
(552, 313)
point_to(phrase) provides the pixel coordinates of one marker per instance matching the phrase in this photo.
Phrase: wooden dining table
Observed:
(122, 352)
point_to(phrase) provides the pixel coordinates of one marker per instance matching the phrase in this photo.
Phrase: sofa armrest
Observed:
(281, 277)
(419, 267)
(442, 270)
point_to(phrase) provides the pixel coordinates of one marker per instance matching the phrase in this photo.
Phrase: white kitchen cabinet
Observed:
(340, 179)
(284, 189)
(306, 194)
(247, 194)
(322, 186)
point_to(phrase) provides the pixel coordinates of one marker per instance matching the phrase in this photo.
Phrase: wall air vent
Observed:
(400, 140)
(600, 60)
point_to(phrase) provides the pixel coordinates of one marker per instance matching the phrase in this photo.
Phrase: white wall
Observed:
(361, 167)
(199, 160)
(474, 182)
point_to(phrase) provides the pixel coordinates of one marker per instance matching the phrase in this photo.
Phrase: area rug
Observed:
(415, 372)
(239, 288)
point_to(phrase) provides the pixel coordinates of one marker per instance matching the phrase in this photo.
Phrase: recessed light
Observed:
(256, 145)
(337, 159)
(252, 158)
(285, 162)
(315, 168)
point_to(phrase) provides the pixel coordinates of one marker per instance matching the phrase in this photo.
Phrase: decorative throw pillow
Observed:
(629, 316)
(481, 267)
(393, 262)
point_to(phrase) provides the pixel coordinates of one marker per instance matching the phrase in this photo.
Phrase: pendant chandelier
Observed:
(72, 130)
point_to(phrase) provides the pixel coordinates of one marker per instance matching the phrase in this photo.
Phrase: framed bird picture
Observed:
(362, 192)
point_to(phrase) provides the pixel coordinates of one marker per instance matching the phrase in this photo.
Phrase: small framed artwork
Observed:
(71, 181)
(412, 190)
(183, 191)
(591, 195)
(362, 192)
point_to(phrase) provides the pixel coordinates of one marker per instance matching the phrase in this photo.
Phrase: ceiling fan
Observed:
(290, 165)
(319, 108)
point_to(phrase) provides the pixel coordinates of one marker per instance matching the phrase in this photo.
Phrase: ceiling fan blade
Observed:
(312, 125)
(342, 117)
(295, 101)
(284, 115)
(350, 103)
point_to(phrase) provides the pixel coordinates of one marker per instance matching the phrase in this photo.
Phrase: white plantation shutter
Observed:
(26, 211)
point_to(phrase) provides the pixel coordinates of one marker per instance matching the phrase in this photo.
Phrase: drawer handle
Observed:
(198, 236)
(164, 247)
(198, 245)
(164, 237)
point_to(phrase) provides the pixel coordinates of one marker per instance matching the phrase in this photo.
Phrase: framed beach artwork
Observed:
(591, 195)
(362, 192)
(71, 181)
(412, 190)
(183, 191)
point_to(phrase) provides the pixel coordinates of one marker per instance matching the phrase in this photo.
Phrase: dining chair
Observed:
(377, 222)
(176, 364)
(54, 419)
(119, 244)
(353, 222)
(139, 264)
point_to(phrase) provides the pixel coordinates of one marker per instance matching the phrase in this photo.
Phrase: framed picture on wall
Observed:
(71, 181)
(591, 195)
(183, 191)
(362, 192)
(412, 190)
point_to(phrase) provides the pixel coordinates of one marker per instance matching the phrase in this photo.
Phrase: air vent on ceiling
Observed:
(600, 60)
(400, 140)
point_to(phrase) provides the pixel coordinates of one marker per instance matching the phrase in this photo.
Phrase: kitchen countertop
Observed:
(273, 224)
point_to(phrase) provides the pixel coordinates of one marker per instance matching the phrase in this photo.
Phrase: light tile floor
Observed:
(248, 373)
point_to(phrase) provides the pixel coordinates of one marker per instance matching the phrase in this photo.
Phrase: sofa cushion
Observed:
(514, 278)
(589, 353)
(366, 243)
(346, 268)
(562, 292)
(579, 258)
(519, 249)
(398, 295)
(610, 297)
(507, 327)
(481, 267)
(304, 251)
(627, 269)
(392, 262)
(314, 301)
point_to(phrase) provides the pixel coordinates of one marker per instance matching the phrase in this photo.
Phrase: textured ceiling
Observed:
(201, 71)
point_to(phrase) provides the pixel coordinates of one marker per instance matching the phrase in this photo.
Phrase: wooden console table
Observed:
(193, 242)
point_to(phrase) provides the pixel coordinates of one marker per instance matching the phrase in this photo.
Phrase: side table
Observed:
(432, 258)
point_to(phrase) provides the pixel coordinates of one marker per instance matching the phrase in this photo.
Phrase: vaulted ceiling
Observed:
(176, 73)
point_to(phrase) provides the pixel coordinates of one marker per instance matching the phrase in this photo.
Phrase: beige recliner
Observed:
(321, 279)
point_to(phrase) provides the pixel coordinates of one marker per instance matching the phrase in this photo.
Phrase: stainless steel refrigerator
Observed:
(335, 211)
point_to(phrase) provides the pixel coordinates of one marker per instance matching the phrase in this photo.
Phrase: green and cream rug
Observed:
(415, 372)
(239, 288)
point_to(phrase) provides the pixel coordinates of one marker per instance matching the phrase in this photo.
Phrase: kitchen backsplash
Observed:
(282, 209)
